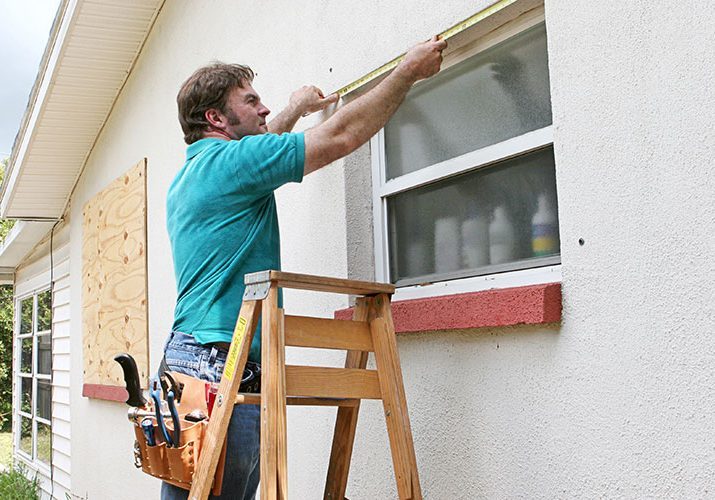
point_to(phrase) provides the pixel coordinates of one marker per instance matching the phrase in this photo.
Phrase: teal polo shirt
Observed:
(222, 224)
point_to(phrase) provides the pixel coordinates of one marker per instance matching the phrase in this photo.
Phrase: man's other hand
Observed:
(309, 99)
(423, 60)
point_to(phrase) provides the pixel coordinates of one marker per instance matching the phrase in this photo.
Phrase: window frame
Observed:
(382, 188)
(18, 414)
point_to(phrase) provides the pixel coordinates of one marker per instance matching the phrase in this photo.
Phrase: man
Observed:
(222, 221)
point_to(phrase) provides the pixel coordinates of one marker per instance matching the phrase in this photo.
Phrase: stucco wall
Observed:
(632, 99)
(618, 400)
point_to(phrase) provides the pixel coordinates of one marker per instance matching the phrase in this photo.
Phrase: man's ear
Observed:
(215, 118)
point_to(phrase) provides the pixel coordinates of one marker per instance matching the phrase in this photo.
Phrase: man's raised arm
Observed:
(353, 125)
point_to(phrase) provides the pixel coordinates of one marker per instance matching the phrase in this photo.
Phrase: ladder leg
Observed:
(282, 444)
(270, 389)
(346, 422)
(394, 401)
(386, 312)
(223, 407)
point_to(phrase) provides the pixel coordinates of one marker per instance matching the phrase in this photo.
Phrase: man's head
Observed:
(218, 100)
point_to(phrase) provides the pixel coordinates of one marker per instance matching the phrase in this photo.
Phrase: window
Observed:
(464, 171)
(33, 401)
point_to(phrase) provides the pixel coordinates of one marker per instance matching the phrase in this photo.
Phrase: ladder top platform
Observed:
(318, 283)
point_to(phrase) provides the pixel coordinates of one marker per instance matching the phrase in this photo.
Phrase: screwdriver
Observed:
(147, 426)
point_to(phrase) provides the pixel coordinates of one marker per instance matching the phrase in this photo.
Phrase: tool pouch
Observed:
(176, 465)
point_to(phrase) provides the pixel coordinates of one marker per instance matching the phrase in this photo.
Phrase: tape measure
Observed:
(445, 35)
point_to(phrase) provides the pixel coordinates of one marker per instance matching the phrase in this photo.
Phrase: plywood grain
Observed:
(114, 279)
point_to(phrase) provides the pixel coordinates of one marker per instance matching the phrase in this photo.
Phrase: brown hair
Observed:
(208, 88)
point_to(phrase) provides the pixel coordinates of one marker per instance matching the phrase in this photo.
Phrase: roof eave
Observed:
(37, 96)
(82, 31)
(19, 242)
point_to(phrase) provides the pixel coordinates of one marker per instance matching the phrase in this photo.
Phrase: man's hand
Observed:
(309, 99)
(423, 60)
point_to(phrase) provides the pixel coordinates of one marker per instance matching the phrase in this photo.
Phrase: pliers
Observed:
(156, 385)
(156, 398)
(173, 395)
(178, 388)
(174, 419)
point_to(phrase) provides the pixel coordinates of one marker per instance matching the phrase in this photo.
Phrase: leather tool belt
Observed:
(175, 462)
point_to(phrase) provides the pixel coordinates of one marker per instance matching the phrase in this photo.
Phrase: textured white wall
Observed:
(618, 400)
(632, 92)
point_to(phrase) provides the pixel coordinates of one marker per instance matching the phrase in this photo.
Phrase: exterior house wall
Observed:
(615, 401)
(629, 377)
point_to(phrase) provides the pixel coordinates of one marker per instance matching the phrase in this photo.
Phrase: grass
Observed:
(6, 449)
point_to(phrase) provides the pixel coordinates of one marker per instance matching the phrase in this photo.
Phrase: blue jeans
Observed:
(242, 470)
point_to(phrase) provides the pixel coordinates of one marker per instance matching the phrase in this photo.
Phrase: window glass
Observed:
(26, 435)
(44, 399)
(26, 316)
(492, 219)
(498, 94)
(33, 415)
(26, 355)
(44, 442)
(26, 395)
(44, 354)
(44, 311)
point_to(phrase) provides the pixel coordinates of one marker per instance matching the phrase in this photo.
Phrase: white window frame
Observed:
(32, 460)
(468, 162)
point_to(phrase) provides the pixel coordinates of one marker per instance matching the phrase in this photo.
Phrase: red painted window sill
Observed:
(106, 392)
(525, 305)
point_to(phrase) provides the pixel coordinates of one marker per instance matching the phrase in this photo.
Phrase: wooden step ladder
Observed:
(371, 330)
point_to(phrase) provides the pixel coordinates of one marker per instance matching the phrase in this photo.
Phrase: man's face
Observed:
(245, 113)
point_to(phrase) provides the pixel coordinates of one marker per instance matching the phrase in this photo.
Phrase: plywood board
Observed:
(114, 279)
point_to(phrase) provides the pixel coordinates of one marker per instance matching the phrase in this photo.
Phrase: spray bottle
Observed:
(502, 241)
(544, 230)
(475, 238)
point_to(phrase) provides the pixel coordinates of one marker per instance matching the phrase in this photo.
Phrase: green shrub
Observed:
(15, 485)
(5, 356)
(6, 319)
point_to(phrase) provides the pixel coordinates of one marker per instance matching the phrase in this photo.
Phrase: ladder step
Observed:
(319, 283)
(244, 398)
(298, 401)
(332, 382)
(301, 331)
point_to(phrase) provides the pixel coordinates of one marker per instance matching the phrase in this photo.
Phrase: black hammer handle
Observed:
(131, 378)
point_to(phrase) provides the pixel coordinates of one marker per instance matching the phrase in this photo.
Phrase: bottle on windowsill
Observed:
(544, 231)
(502, 241)
(475, 238)
(446, 244)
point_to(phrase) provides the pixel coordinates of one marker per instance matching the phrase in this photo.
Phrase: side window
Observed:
(464, 178)
(34, 353)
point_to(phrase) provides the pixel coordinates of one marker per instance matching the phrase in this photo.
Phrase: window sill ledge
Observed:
(105, 392)
(524, 305)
